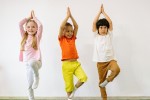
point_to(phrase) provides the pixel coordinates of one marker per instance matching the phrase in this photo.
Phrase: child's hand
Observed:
(32, 14)
(30, 17)
(102, 8)
(68, 12)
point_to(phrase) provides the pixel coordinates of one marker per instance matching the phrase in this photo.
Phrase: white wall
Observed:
(131, 20)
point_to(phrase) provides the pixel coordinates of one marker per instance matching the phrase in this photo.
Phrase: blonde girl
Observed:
(31, 33)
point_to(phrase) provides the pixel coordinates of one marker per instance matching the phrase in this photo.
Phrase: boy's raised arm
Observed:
(107, 18)
(96, 19)
(62, 26)
(74, 23)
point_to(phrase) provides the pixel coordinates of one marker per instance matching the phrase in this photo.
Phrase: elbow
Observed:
(76, 27)
(40, 27)
(20, 23)
(94, 29)
(61, 28)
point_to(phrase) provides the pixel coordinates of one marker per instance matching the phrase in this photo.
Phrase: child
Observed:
(70, 65)
(103, 51)
(30, 50)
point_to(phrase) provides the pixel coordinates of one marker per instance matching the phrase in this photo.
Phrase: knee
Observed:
(118, 70)
(83, 78)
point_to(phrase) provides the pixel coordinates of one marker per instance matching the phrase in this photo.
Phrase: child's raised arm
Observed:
(96, 19)
(74, 23)
(107, 18)
(22, 22)
(62, 26)
(39, 25)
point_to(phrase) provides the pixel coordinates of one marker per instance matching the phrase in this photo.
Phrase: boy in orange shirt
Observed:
(70, 65)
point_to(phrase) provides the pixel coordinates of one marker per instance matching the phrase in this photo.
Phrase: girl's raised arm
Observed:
(39, 25)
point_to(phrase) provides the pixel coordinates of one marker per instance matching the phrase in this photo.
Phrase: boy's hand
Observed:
(68, 12)
(102, 8)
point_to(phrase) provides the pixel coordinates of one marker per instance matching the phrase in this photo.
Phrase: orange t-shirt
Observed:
(68, 48)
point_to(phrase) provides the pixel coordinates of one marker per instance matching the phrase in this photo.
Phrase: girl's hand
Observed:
(30, 17)
(32, 14)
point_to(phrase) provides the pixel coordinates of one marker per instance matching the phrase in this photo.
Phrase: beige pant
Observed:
(103, 68)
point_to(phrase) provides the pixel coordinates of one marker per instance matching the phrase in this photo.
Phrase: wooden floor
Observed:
(77, 98)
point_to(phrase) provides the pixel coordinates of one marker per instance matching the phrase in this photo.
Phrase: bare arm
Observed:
(74, 23)
(96, 19)
(108, 19)
(62, 26)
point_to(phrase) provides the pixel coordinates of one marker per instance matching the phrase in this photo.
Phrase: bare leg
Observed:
(78, 84)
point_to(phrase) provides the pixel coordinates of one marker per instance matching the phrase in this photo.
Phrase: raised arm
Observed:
(74, 23)
(62, 26)
(96, 19)
(22, 22)
(39, 25)
(107, 18)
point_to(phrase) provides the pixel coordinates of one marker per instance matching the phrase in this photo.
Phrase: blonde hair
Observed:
(34, 40)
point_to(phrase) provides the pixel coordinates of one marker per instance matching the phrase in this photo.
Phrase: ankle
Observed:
(75, 88)
(103, 84)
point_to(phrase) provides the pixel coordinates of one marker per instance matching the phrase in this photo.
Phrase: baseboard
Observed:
(81, 98)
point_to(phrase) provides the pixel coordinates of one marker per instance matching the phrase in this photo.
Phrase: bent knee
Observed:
(83, 78)
(118, 70)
